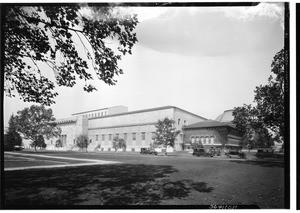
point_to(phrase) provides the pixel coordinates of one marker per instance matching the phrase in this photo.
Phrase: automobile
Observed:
(216, 152)
(235, 153)
(265, 153)
(18, 148)
(148, 151)
(201, 152)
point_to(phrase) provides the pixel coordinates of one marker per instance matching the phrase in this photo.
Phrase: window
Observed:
(117, 135)
(103, 137)
(212, 139)
(184, 122)
(207, 139)
(193, 139)
(125, 136)
(133, 136)
(101, 113)
(178, 121)
(109, 137)
(143, 136)
(153, 136)
(96, 137)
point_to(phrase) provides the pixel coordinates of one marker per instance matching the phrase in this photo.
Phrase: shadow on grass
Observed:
(122, 184)
(264, 163)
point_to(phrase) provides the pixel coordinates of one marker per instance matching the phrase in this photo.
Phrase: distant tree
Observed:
(39, 142)
(82, 142)
(254, 132)
(58, 143)
(64, 38)
(12, 138)
(165, 134)
(36, 121)
(118, 143)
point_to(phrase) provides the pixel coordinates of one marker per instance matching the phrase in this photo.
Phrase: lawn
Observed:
(149, 180)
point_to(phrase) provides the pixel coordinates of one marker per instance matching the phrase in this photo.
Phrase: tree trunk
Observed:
(35, 148)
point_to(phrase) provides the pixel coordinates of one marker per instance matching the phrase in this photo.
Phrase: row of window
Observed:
(97, 114)
(123, 135)
(204, 139)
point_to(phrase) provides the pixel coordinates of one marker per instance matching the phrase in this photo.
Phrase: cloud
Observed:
(271, 10)
(211, 31)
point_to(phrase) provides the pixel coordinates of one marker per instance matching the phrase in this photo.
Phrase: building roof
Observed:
(94, 110)
(209, 123)
(148, 110)
(226, 116)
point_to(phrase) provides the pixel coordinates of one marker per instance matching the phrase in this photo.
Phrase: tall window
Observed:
(178, 121)
(134, 136)
(103, 137)
(96, 137)
(109, 137)
(184, 122)
(117, 135)
(143, 136)
(153, 136)
(193, 139)
(125, 136)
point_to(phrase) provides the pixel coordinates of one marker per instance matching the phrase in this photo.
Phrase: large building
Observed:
(136, 127)
(217, 134)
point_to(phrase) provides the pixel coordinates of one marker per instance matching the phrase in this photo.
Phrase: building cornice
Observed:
(146, 110)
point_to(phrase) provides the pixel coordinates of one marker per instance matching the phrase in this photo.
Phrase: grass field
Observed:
(145, 180)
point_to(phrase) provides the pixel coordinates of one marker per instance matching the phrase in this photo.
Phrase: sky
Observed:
(201, 59)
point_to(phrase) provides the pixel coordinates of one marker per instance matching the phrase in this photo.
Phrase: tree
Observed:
(263, 123)
(39, 142)
(82, 141)
(118, 143)
(12, 138)
(165, 134)
(58, 143)
(37, 121)
(67, 39)
(270, 99)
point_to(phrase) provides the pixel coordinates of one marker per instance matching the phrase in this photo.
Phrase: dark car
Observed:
(148, 151)
(265, 153)
(215, 152)
(235, 153)
(201, 152)
(18, 148)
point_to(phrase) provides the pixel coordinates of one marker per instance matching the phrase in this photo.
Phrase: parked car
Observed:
(216, 152)
(201, 152)
(18, 148)
(235, 153)
(265, 153)
(148, 151)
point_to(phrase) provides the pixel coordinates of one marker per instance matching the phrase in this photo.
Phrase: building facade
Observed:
(219, 134)
(135, 127)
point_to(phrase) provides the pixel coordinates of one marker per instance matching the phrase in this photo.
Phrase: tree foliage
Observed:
(58, 143)
(36, 122)
(263, 123)
(12, 138)
(66, 39)
(82, 141)
(270, 99)
(118, 143)
(165, 134)
(39, 142)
